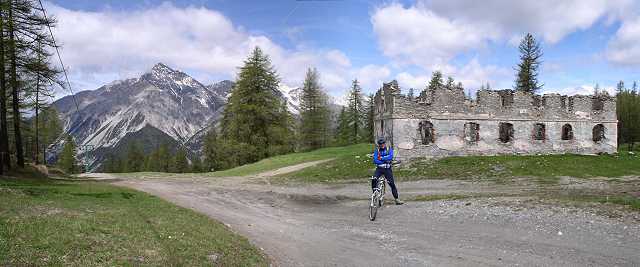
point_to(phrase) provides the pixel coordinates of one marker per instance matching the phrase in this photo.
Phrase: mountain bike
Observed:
(377, 197)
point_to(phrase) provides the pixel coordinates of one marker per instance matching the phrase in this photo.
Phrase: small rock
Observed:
(213, 257)
(559, 233)
(467, 204)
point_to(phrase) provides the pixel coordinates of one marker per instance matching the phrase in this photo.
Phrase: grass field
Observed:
(95, 224)
(338, 153)
(354, 163)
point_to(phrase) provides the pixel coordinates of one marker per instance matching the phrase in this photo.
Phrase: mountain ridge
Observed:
(163, 99)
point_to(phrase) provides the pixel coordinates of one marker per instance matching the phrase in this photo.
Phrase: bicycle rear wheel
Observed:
(373, 206)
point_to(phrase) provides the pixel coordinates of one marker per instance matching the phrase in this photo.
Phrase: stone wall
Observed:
(446, 111)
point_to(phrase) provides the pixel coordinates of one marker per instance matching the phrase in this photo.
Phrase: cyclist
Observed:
(382, 158)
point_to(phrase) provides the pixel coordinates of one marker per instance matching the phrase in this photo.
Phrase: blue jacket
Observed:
(386, 156)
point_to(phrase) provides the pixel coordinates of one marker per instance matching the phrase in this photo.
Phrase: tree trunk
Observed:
(5, 159)
(37, 156)
(15, 101)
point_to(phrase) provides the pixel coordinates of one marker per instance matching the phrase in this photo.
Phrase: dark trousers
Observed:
(387, 174)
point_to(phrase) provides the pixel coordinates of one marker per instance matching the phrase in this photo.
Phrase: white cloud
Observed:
(624, 48)
(581, 90)
(371, 77)
(421, 37)
(432, 33)
(101, 46)
(408, 80)
(551, 19)
(338, 58)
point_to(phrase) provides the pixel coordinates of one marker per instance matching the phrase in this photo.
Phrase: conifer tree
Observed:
(25, 43)
(368, 126)
(355, 113)
(135, 158)
(411, 93)
(196, 165)
(436, 80)
(530, 55)
(314, 113)
(67, 161)
(451, 83)
(343, 131)
(51, 128)
(628, 113)
(211, 151)
(164, 158)
(255, 121)
(180, 163)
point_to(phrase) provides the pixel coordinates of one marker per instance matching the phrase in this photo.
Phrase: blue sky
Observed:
(584, 41)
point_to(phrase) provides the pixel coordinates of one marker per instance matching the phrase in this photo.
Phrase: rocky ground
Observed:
(489, 224)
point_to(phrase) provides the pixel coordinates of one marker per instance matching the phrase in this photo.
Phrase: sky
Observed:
(585, 42)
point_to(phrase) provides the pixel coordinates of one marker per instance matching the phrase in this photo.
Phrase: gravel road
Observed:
(328, 225)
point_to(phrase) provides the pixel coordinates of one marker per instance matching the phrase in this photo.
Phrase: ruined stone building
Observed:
(443, 122)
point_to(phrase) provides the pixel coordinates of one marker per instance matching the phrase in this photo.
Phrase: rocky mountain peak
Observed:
(161, 69)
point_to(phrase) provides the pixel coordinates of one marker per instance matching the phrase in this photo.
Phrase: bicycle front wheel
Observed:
(373, 206)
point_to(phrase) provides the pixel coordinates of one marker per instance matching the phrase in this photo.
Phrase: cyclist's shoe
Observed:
(399, 202)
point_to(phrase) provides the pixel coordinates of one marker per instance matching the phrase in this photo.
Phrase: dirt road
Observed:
(328, 225)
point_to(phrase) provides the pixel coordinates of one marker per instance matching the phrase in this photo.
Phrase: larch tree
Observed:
(314, 113)
(67, 161)
(256, 123)
(369, 117)
(343, 130)
(527, 69)
(355, 113)
(436, 81)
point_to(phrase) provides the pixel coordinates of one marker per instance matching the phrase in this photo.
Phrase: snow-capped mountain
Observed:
(161, 106)
(292, 96)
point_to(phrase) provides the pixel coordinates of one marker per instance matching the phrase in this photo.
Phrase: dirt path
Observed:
(326, 225)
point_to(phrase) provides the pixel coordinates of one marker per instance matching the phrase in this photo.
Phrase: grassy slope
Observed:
(355, 164)
(95, 224)
(339, 153)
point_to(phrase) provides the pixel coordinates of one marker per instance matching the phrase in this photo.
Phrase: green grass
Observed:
(544, 167)
(339, 153)
(351, 162)
(93, 224)
(632, 202)
(354, 164)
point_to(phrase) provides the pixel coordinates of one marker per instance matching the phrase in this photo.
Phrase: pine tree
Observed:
(196, 165)
(369, 118)
(67, 161)
(530, 55)
(628, 113)
(255, 121)
(44, 129)
(343, 131)
(451, 83)
(26, 72)
(314, 113)
(211, 151)
(619, 87)
(411, 93)
(355, 113)
(164, 158)
(135, 158)
(436, 80)
(180, 163)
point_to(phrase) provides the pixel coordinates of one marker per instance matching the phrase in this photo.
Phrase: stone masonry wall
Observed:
(399, 119)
